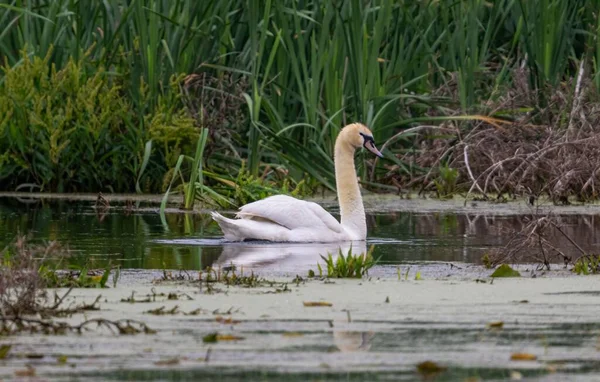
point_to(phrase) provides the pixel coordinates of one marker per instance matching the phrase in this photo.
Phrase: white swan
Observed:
(283, 218)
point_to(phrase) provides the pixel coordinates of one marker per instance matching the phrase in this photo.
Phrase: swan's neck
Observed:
(351, 205)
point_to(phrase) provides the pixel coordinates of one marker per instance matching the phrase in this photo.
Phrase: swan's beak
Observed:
(370, 145)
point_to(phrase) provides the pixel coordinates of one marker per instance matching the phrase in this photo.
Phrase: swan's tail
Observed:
(249, 228)
(230, 228)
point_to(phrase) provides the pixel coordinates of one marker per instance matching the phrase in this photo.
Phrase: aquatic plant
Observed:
(26, 269)
(586, 265)
(21, 287)
(212, 278)
(349, 265)
(69, 130)
(195, 185)
(80, 277)
(505, 270)
(445, 184)
(230, 277)
(64, 130)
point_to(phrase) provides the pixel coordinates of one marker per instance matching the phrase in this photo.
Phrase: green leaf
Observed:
(210, 338)
(147, 152)
(4, 350)
(505, 270)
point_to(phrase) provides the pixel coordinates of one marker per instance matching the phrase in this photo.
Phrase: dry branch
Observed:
(554, 151)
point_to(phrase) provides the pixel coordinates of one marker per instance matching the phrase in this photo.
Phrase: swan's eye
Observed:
(367, 139)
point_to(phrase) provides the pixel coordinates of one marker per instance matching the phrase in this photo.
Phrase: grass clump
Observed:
(72, 129)
(25, 304)
(64, 129)
(587, 265)
(27, 269)
(505, 271)
(230, 277)
(212, 278)
(78, 278)
(348, 266)
(445, 184)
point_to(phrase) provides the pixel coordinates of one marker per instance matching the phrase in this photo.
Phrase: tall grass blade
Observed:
(196, 178)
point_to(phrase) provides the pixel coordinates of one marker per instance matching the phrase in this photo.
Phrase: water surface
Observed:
(137, 237)
(377, 329)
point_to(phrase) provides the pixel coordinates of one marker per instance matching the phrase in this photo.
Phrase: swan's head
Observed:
(359, 135)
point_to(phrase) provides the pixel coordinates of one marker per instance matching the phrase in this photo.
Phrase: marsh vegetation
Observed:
(229, 101)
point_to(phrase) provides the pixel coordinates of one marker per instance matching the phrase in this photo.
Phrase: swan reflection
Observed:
(284, 255)
(352, 341)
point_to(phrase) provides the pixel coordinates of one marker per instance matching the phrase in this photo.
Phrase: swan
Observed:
(282, 218)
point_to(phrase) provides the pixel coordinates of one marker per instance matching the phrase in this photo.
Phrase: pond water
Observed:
(139, 238)
(375, 329)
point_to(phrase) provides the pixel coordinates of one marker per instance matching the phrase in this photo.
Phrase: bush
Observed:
(67, 130)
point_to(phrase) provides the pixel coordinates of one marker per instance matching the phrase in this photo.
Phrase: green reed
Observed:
(310, 66)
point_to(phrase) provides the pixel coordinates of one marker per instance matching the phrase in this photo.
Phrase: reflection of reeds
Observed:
(467, 237)
(540, 241)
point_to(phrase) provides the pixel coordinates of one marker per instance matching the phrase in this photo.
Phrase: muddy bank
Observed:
(382, 326)
(91, 197)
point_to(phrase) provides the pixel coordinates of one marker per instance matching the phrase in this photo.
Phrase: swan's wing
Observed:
(290, 213)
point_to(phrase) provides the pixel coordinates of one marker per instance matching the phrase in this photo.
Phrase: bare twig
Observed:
(466, 156)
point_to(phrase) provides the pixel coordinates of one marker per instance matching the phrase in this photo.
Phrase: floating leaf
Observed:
(193, 312)
(62, 359)
(4, 350)
(496, 325)
(429, 367)
(229, 320)
(292, 334)
(163, 311)
(215, 337)
(167, 362)
(209, 338)
(96, 279)
(317, 303)
(523, 357)
(228, 337)
(505, 271)
(29, 372)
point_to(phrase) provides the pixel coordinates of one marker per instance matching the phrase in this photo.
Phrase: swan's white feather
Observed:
(282, 218)
(291, 213)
